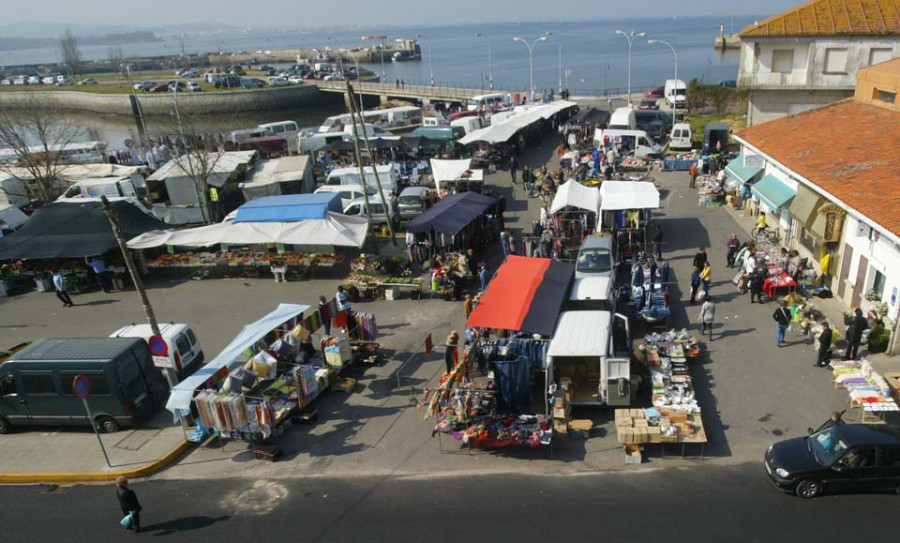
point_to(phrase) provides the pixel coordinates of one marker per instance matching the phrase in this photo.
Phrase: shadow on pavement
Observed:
(685, 234)
(183, 524)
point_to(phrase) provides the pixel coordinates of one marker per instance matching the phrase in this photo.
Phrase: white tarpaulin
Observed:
(574, 194)
(453, 170)
(334, 230)
(618, 195)
(183, 393)
(508, 123)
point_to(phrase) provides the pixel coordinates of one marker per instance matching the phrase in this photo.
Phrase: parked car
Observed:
(49, 80)
(144, 85)
(595, 258)
(837, 457)
(188, 72)
(252, 83)
(649, 103)
(276, 81)
(161, 87)
(295, 79)
(337, 76)
(193, 86)
(658, 92)
(177, 85)
(5, 82)
(236, 70)
(88, 81)
(413, 201)
(34, 80)
(20, 80)
(64, 81)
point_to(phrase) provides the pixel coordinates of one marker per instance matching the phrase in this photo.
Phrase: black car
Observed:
(837, 457)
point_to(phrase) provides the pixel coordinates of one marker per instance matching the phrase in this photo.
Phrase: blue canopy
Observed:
(744, 174)
(289, 207)
(452, 213)
(773, 192)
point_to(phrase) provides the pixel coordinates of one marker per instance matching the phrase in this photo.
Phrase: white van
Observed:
(681, 137)
(469, 124)
(592, 294)
(387, 174)
(357, 208)
(185, 353)
(635, 141)
(107, 186)
(675, 92)
(623, 118)
(348, 193)
(289, 130)
(487, 102)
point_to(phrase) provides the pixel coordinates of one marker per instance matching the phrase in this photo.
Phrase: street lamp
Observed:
(674, 102)
(490, 60)
(358, 80)
(630, 36)
(530, 47)
(430, 60)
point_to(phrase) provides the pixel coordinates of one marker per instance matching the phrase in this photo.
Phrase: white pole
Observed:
(490, 60)
(630, 36)
(559, 44)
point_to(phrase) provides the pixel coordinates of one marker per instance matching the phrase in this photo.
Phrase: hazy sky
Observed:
(304, 13)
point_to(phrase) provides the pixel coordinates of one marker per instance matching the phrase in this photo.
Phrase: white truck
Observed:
(185, 354)
(675, 92)
(590, 357)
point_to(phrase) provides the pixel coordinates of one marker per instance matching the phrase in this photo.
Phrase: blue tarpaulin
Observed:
(289, 207)
(452, 213)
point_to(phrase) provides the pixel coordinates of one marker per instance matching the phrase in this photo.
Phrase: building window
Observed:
(810, 242)
(878, 284)
(835, 61)
(885, 96)
(783, 61)
(880, 54)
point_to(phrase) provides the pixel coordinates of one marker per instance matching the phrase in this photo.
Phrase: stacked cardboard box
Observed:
(561, 412)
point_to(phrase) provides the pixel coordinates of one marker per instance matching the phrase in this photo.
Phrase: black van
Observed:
(838, 457)
(36, 383)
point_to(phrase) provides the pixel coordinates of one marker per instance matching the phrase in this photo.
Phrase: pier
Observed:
(423, 94)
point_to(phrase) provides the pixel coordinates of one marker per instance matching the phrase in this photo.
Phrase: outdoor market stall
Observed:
(626, 208)
(868, 392)
(456, 176)
(297, 231)
(511, 406)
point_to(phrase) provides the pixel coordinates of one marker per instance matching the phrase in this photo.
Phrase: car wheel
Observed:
(809, 489)
(6, 427)
(107, 425)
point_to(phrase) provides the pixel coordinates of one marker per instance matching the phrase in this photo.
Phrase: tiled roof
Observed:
(831, 18)
(848, 148)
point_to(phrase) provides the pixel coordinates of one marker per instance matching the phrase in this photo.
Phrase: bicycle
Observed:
(766, 235)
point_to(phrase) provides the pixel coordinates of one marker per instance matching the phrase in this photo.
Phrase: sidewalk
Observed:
(73, 454)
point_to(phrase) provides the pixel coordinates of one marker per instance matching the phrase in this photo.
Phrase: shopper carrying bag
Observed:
(130, 505)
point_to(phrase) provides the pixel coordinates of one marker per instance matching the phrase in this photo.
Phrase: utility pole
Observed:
(139, 286)
(356, 114)
(359, 163)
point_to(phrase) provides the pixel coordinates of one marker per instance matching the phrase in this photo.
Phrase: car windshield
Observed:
(411, 199)
(594, 260)
(827, 446)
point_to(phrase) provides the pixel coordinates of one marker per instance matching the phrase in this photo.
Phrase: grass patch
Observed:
(698, 122)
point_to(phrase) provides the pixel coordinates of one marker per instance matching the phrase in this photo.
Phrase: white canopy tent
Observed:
(574, 194)
(619, 195)
(334, 230)
(504, 125)
(453, 170)
(183, 393)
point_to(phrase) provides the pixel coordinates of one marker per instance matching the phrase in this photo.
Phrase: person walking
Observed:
(62, 291)
(99, 267)
(467, 306)
(658, 241)
(706, 276)
(504, 243)
(782, 318)
(700, 258)
(854, 334)
(757, 280)
(513, 168)
(450, 355)
(693, 175)
(325, 314)
(707, 316)
(129, 503)
(483, 277)
(824, 345)
(695, 284)
(343, 300)
(733, 245)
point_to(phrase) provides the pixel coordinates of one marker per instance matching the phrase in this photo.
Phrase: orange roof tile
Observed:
(831, 18)
(848, 148)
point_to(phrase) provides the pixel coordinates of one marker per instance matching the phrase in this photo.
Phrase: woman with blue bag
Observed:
(130, 505)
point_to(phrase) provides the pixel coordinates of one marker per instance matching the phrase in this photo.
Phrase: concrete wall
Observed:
(199, 102)
(767, 105)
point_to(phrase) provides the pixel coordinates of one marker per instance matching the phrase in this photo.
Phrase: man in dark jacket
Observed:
(128, 502)
(824, 345)
(854, 334)
(757, 280)
(782, 318)
(700, 258)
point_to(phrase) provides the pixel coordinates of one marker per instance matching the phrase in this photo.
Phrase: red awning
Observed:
(526, 295)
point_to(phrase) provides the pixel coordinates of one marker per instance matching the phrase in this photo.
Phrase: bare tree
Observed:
(34, 132)
(116, 59)
(70, 54)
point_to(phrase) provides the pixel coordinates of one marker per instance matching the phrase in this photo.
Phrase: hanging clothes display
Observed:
(514, 385)
(365, 328)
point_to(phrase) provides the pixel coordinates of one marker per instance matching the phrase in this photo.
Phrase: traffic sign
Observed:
(81, 385)
(129, 143)
(158, 345)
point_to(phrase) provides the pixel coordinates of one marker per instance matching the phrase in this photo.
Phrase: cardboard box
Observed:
(678, 418)
(560, 426)
(622, 413)
(581, 424)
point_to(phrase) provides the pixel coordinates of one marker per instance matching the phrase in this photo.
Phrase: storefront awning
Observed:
(773, 192)
(451, 214)
(180, 398)
(744, 174)
(526, 295)
(805, 206)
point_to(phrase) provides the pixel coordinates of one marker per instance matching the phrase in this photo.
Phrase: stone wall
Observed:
(196, 102)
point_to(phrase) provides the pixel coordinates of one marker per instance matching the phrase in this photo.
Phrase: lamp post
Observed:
(674, 103)
(358, 80)
(490, 60)
(530, 47)
(630, 36)
(178, 115)
(559, 44)
(430, 60)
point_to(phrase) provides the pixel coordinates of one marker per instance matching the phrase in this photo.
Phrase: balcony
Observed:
(780, 80)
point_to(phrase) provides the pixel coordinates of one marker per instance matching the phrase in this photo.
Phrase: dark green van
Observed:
(36, 384)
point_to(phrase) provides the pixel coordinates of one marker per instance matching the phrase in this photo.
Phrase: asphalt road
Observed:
(699, 503)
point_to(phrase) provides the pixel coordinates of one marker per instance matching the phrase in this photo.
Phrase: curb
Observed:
(98, 476)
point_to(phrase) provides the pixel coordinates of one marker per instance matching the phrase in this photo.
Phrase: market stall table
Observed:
(868, 391)
(781, 280)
